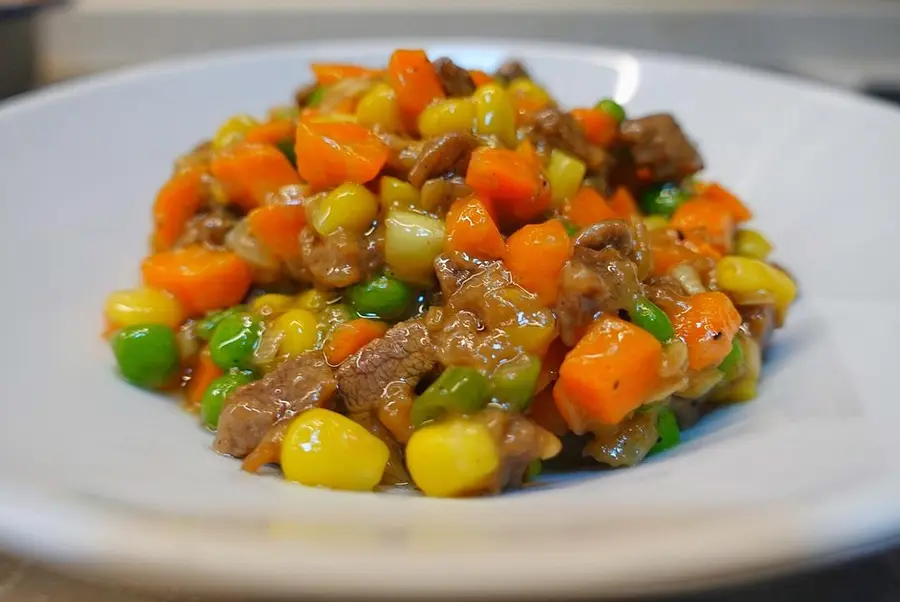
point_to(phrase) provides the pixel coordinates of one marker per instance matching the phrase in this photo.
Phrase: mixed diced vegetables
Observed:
(433, 277)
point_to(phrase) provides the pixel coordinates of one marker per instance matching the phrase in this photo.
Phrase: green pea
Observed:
(662, 200)
(316, 97)
(286, 147)
(207, 325)
(571, 229)
(669, 434)
(147, 354)
(734, 359)
(611, 108)
(234, 341)
(383, 297)
(534, 470)
(652, 319)
(457, 389)
(514, 382)
(216, 394)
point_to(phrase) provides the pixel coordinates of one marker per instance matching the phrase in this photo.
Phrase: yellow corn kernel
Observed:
(411, 243)
(271, 304)
(333, 118)
(655, 222)
(379, 107)
(752, 244)
(313, 300)
(143, 306)
(565, 174)
(743, 276)
(495, 114)
(531, 94)
(446, 116)
(349, 206)
(299, 329)
(452, 458)
(289, 112)
(397, 193)
(325, 449)
(233, 130)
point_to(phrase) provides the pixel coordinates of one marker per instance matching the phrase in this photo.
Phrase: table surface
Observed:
(875, 579)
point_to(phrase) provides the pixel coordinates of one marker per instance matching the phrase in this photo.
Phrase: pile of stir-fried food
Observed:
(433, 276)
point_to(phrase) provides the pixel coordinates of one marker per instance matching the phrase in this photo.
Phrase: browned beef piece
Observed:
(511, 70)
(450, 275)
(439, 193)
(298, 384)
(520, 441)
(455, 80)
(441, 155)
(552, 128)
(333, 261)
(657, 143)
(759, 322)
(373, 251)
(302, 96)
(626, 443)
(402, 152)
(403, 355)
(599, 277)
(209, 227)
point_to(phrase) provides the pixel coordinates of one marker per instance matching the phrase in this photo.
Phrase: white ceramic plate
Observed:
(98, 476)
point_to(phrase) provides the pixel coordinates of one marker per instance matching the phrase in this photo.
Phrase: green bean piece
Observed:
(458, 389)
(651, 318)
(669, 434)
(513, 383)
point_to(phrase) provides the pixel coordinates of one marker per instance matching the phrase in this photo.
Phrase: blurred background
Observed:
(851, 43)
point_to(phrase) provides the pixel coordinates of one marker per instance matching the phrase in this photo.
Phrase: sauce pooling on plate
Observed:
(432, 276)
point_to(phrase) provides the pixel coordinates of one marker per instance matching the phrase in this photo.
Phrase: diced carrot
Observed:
(272, 132)
(510, 179)
(707, 218)
(480, 78)
(278, 227)
(727, 199)
(331, 73)
(201, 279)
(535, 255)
(250, 172)
(350, 337)
(707, 327)
(204, 372)
(396, 415)
(471, 230)
(176, 203)
(623, 204)
(413, 78)
(269, 449)
(545, 413)
(667, 250)
(588, 207)
(109, 329)
(329, 154)
(599, 127)
(527, 150)
(609, 374)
